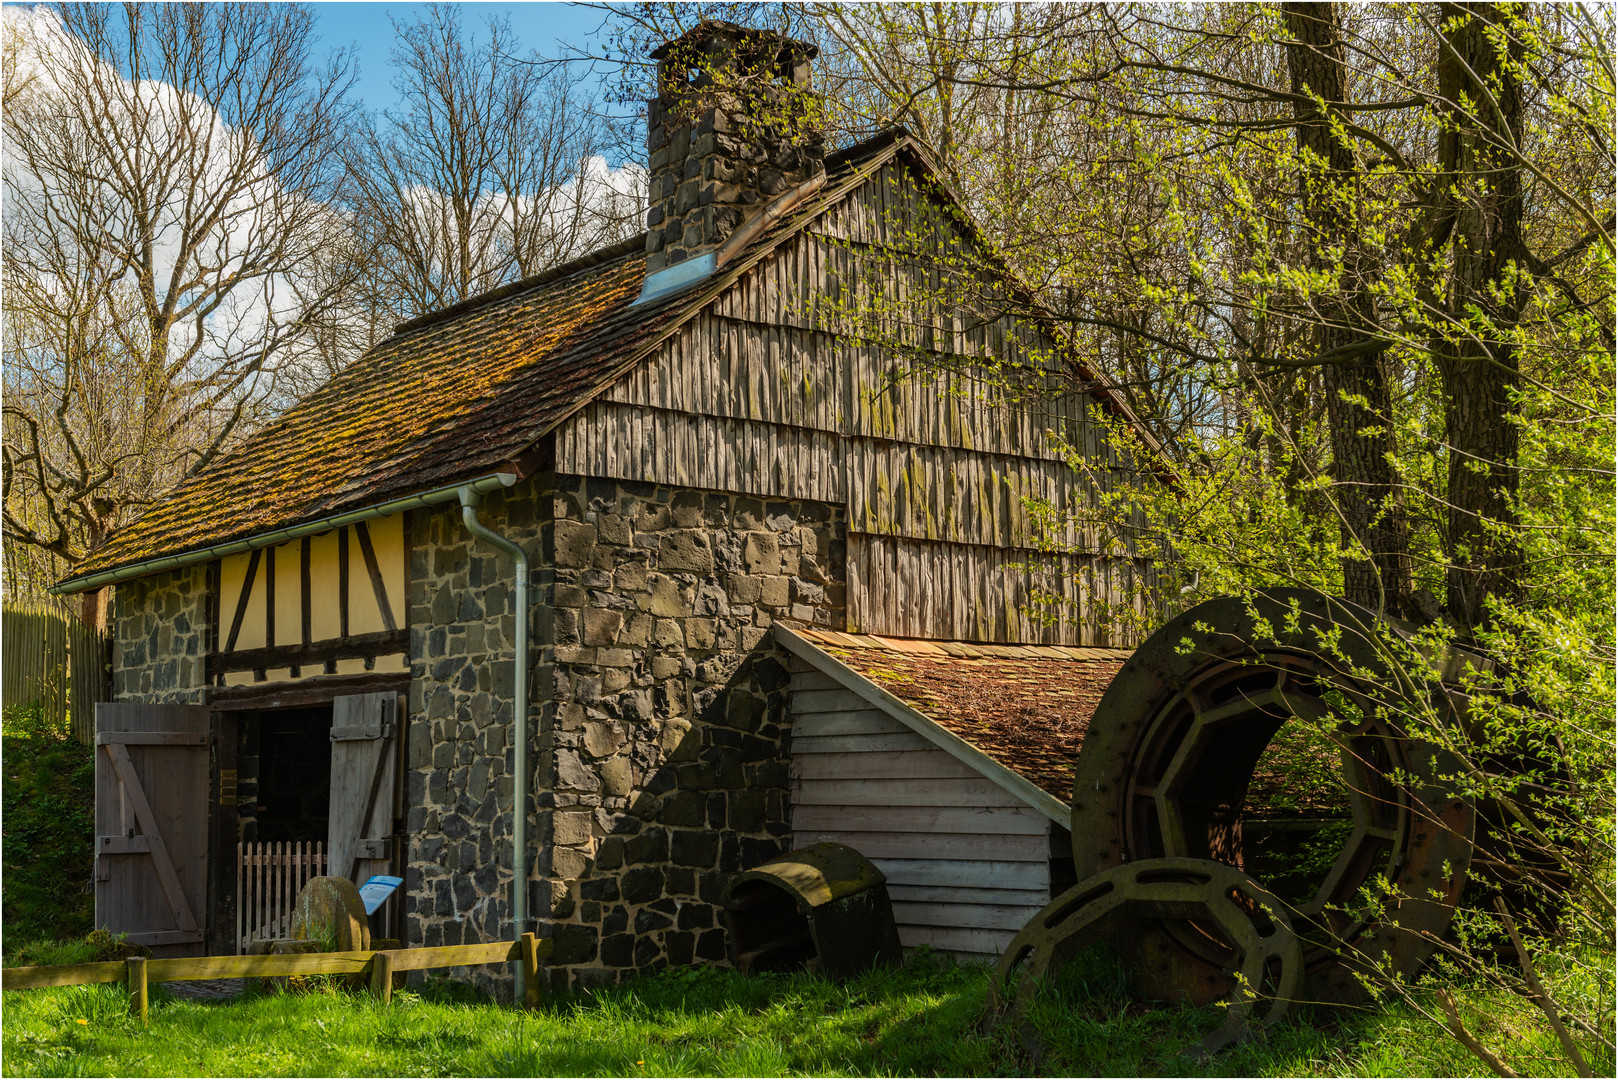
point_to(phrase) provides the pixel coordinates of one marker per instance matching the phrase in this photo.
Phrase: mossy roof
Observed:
(458, 393)
(1025, 706)
(442, 400)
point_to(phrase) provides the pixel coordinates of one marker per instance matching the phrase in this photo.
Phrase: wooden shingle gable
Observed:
(486, 384)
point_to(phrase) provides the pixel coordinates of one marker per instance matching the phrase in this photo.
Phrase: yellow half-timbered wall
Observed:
(329, 604)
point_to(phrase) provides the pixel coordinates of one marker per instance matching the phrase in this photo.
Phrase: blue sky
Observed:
(367, 26)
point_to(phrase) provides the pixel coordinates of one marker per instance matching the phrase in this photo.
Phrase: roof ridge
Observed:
(621, 249)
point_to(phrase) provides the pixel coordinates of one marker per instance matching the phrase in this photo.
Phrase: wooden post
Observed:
(530, 971)
(382, 977)
(135, 983)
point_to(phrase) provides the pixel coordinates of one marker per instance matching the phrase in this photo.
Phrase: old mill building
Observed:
(730, 517)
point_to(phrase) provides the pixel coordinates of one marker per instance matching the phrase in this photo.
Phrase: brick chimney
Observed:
(732, 128)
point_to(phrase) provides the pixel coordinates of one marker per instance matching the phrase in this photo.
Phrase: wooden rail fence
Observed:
(269, 877)
(48, 655)
(137, 972)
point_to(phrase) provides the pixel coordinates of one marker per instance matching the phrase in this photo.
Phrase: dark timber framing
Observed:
(358, 647)
(241, 601)
(375, 573)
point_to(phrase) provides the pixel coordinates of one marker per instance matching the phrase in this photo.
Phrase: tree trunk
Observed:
(1477, 360)
(1359, 404)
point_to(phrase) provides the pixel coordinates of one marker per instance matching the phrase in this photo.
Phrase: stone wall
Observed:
(663, 718)
(160, 629)
(722, 144)
(459, 751)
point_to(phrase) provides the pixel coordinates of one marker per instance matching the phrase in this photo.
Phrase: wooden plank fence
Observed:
(48, 655)
(137, 972)
(269, 877)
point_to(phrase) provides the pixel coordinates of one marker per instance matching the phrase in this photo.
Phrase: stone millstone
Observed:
(331, 907)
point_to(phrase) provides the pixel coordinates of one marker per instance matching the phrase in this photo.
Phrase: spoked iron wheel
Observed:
(1171, 757)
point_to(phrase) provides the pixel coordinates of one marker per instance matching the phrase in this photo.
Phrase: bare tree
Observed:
(488, 171)
(168, 174)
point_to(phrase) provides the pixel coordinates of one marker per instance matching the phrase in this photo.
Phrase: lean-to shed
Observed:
(949, 765)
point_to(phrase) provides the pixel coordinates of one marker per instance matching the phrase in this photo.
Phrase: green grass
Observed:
(48, 803)
(923, 1019)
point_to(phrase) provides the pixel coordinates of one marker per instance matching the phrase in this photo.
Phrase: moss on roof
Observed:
(441, 401)
(1026, 706)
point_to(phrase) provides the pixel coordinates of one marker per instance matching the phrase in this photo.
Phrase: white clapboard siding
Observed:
(906, 792)
(919, 845)
(946, 875)
(833, 699)
(945, 894)
(967, 862)
(918, 764)
(812, 679)
(1011, 917)
(867, 722)
(988, 820)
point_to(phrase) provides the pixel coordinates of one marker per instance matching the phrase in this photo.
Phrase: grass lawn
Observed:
(923, 1019)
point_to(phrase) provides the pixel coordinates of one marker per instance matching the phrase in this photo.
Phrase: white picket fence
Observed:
(269, 878)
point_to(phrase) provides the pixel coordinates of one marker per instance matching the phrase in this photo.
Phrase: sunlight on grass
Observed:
(922, 1019)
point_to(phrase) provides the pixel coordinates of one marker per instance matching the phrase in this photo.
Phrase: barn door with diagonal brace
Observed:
(151, 815)
(364, 777)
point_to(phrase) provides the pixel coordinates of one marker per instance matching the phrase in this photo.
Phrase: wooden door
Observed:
(364, 779)
(151, 815)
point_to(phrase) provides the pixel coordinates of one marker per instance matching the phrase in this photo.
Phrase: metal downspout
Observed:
(470, 497)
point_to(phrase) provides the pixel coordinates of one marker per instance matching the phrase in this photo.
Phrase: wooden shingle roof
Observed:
(448, 397)
(457, 394)
(1025, 707)
(445, 401)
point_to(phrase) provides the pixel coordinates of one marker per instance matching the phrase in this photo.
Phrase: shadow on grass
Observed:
(925, 1018)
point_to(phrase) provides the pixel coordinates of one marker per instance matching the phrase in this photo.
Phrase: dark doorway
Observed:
(293, 797)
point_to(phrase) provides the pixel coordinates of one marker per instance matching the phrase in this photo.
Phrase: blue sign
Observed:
(376, 890)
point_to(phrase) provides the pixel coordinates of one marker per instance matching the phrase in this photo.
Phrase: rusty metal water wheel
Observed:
(1224, 903)
(1168, 767)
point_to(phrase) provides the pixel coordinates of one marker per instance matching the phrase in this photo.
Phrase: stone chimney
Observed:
(733, 127)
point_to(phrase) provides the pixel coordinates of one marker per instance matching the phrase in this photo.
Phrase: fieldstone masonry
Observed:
(660, 741)
(664, 732)
(459, 753)
(160, 629)
(731, 128)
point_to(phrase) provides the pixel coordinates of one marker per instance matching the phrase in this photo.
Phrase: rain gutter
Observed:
(436, 496)
(470, 497)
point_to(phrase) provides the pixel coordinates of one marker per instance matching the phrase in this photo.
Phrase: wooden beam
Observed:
(196, 968)
(358, 647)
(375, 572)
(303, 575)
(135, 983)
(531, 952)
(342, 582)
(123, 845)
(154, 938)
(382, 977)
(241, 600)
(269, 597)
(152, 738)
(318, 690)
(35, 978)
